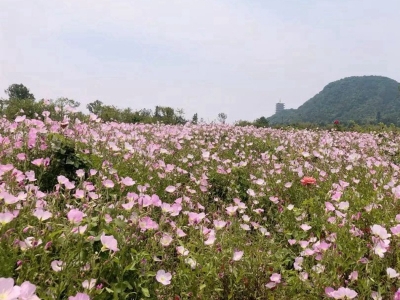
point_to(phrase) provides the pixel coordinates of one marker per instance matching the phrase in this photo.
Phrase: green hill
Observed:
(362, 99)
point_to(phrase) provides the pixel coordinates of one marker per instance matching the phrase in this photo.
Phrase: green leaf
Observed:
(146, 292)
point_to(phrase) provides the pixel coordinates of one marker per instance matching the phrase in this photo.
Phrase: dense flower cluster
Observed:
(206, 210)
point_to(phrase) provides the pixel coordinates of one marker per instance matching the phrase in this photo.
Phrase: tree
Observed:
(222, 117)
(18, 91)
(261, 122)
(195, 119)
(95, 107)
(378, 117)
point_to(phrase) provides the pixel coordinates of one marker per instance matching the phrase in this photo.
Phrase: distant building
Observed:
(279, 107)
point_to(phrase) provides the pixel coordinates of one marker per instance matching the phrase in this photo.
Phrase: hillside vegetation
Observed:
(364, 99)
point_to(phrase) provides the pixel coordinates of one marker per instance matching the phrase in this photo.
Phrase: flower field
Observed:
(94, 210)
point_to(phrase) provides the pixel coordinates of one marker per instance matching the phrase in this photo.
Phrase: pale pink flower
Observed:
(276, 277)
(395, 230)
(237, 255)
(305, 227)
(28, 291)
(108, 183)
(6, 218)
(80, 173)
(397, 295)
(42, 215)
(147, 224)
(62, 179)
(8, 198)
(343, 293)
(89, 284)
(182, 250)
(218, 224)
(37, 162)
(180, 232)
(377, 296)
(80, 229)
(329, 206)
(163, 277)
(170, 189)
(75, 216)
(353, 276)
(392, 273)
(109, 242)
(20, 119)
(79, 194)
(57, 265)
(195, 218)
(166, 240)
(381, 247)
(7, 289)
(380, 231)
(231, 210)
(127, 181)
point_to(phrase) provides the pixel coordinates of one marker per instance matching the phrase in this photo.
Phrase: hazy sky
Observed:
(206, 56)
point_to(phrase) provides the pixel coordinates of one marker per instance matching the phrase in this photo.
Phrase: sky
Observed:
(238, 57)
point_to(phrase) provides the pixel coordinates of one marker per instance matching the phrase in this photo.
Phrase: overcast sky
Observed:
(206, 56)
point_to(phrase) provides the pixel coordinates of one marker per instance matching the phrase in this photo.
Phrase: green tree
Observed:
(95, 107)
(195, 118)
(222, 117)
(18, 91)
(261, 122)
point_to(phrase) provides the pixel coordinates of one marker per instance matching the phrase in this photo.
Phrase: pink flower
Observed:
(166, 240)
(146, 223)
(353, 276)
(42, 215)
(342, 293)
(182, 250)
(28, 291)
(163, 277)
(195, 218)
(20, 119)
(305, 227)
(75, 216)
(89, 284)
(237, 255)
(57, 265)
(170, 189)
(380, 231)
(7, 289)
(6, 218)
(381, 247)
(108, 183)
(219, 224)
(79, 296)
(397, 295)
(392, 273)
(395, 230)
(79, 194)
(127, 181)
(62, 179)
(275, 278)
(38, 162)
(231, 210)
(109, 242)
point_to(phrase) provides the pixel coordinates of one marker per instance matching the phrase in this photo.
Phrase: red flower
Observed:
(336, 122)
(308, 180)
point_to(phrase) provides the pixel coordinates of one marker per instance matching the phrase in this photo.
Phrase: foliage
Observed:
(19, 92)
(222, 117)
(361, 99)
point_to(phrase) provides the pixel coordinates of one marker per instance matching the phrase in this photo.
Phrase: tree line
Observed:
(22, 102)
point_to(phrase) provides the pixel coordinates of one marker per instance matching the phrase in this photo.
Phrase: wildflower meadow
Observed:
(95, 210)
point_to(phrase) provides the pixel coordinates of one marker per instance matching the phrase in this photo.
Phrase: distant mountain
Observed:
(362, 99)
